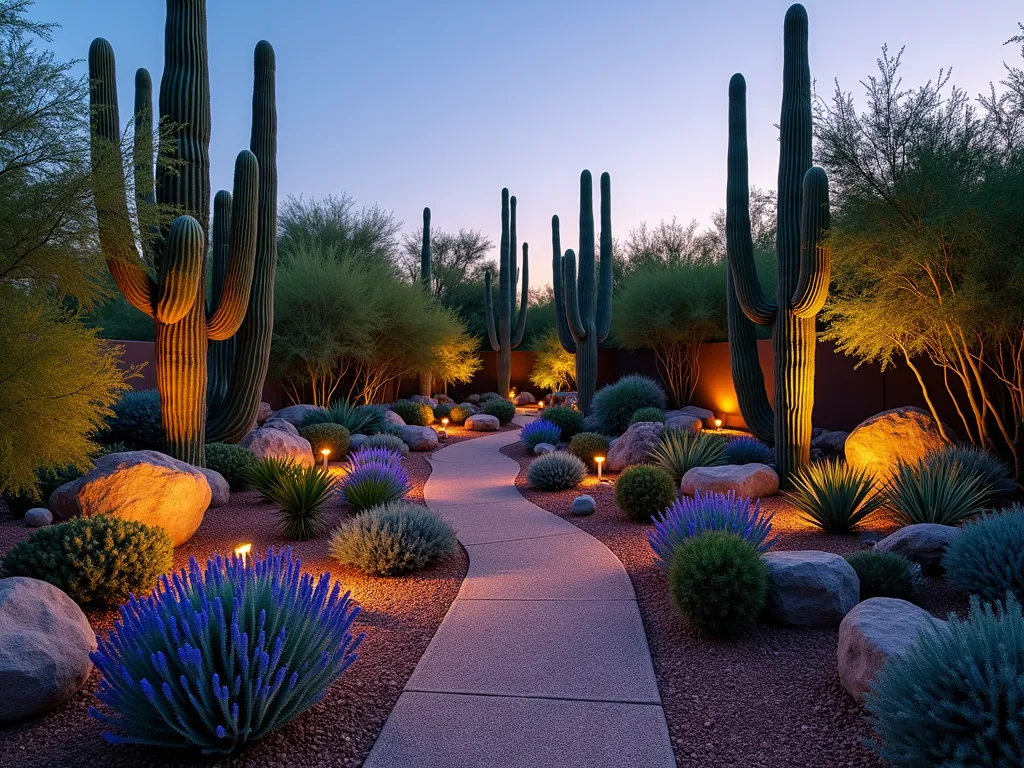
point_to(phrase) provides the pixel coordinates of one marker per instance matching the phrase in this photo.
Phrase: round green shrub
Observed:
(413, 413)
(642, 492)
(503, 409)
(647, 414)
(443, 411)
(883, 574)
(393, 539)
(234, 462)
(331, 436)
(136, 421)
(98, 561)
(570, 421)
(987, 558)
(718, 582)
(556, 471)
(458, 414)
(586, 445)
(488, 396)
(615, 404)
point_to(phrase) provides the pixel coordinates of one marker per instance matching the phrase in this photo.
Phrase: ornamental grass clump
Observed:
(357, 419)
(680, 450)
(217, 658)
(943, 493)
(374, 481)
(746, 450)
(883, 574)
(301, 495)
(586, 445)
(98, 561)
(995, 476)
(267, 473)
(413, 413)
(384, 440)
(642, 492)
(569, 421)
(615, 404)
(392, 539)
(540, 431)
(647, 414)
(987, 558)
(556, 472)
(689, 517)
(333, 437)
(503, 410)
(954, 697)
(718, 582)
(834, 496)
(234, 462)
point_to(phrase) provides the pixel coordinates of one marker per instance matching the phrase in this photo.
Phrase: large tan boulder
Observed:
(146, 486)
(902, 434)
(482, 422)
(45, 642)
(267, 442)
(753, 480)
(807, 588)
(706, 417)
(635, 445)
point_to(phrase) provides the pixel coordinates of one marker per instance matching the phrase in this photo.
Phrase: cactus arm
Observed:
(513, 270)
(142, 141)
(492, 335)
(604, 287)
(572, 305)
(232, 295)
(561, 323)
(524, 304)
(180, 270)
(815, 253)
(739, 245)
(425, 252)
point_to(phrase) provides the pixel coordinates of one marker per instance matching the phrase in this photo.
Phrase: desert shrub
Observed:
(443, 411)
(267, 473)
(47, 481)
(746, 450)
(995, 476)
(384, 440)
(556, 472)
(458, 415)
(357, 419)
(953, 698)
(834, 496)
(987, 558)
(98, 561)
(643, 492)
(413, 413)
(392, 539)
(688, 517)
(264, 642)
(569, 421)
(718, 582)
(373, 482)
(615, 404)
(300, 495)
(943, 493)
(334, 437)
(486, 397)
(234, 462)
(883, 574)
(540, 431)
(373, 454)
(503, 409)
(647, 414)
(135, 421)
(680, 450)
(553, 367)
(586, 445)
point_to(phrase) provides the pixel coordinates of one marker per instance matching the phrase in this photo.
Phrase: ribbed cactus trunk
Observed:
(583, 316)
(426, 376)
(802, 260)
(507, 337)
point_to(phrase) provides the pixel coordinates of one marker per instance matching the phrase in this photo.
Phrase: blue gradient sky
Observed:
(407, 104)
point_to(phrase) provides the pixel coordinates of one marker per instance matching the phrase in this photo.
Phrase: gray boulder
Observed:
(45, 642)
(473, 399)
(482, 422)
(443, 398)
(393, 418)
(220, 492)
(810, 589)
(542, 449)
(678, 420)
(634, 446)
(146, 486)
(525, 398)
(355, 442)
(296, 414)
(923, 543)
(38, 517)
(707, 418)
(902, 434)
(281, 424)
(754, 480)
(419, 438)
(583, 505)
(829, 441)
(267, 442)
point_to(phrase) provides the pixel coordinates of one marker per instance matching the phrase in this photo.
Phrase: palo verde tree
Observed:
(505, 339)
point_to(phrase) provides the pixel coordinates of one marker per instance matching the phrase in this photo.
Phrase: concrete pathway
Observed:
(542, 659)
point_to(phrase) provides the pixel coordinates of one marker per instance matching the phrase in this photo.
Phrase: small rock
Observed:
(281, 424)
(220, 492)
(923, 543)
(753, 480)
(677, 420)
(482, 422)
(419, 438)
(635, 446)
(583, 506)
(39, 517)
(807, 588)
(263, 412)
(706, 417)
(542, 449)
(525, 398)
(296, 414)
(267, 442)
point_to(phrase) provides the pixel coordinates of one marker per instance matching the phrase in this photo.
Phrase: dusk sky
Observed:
(410, 104)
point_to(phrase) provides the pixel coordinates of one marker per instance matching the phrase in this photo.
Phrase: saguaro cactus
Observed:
(505, 340)
(426, 377)
(583, 316)
(802, 261)
(244, 242)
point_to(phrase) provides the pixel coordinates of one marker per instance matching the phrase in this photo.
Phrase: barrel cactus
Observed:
(802, 259)
(511, 327)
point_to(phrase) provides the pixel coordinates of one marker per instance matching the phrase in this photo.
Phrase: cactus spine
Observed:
(506, 339)
(175, 298)
(584, 317)
(426, 377)
(802, 261)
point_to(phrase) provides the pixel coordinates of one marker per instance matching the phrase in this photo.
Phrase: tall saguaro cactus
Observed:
(506, 338)
(802, 261)
(244, 241)
(583, 316)
(426, 376)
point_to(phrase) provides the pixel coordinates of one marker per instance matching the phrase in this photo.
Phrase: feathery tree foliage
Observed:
(553, 367)
(333, 224)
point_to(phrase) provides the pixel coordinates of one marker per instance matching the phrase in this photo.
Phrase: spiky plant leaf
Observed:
(834, 496)
(680, 450)
(300, 496)
(943, 493)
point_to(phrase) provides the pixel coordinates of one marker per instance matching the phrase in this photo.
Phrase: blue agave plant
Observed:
(219, 657)
(687, 517)
(540, 431)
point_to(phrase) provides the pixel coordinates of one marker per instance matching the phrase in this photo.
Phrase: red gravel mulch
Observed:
(770, 698)
(399, 616)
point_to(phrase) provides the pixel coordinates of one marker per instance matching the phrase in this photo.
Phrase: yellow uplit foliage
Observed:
(553, 367)
(455, 358)
(57, 382)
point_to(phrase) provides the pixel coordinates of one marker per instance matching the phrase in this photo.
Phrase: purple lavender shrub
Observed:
(540, 431)
(687, 518)
(219, 657)
(374, 455)
(374, 476)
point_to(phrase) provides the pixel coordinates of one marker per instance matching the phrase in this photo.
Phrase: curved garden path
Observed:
(542, 659)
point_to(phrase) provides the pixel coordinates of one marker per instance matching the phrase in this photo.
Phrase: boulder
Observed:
(922, 543)
(45, 642)
(829, 441)
(443, 398)
(874, 631)
(583, 505)
(39, 517)
(419, 438)
(525, 398)
(809, 588)
(542, 449)
(390, 417)
(296, 414)
(879, 443)
(707, 418)
(281, 424)
(355, 442)
(681, 420)
(146, 486)
(263, 412)
(634, 446)
(754, 480)
(473, 399)
(220, 492)
(267, 442)
(482, 422)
